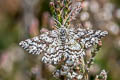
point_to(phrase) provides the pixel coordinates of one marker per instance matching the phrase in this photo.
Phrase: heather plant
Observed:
(66, 46)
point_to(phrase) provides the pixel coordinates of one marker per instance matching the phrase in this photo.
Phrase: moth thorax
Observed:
(63, 34)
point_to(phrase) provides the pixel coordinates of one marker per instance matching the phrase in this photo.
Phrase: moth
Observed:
(62, 42)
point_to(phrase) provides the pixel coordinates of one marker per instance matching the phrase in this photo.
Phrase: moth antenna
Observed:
(56, 26)
(57, 21)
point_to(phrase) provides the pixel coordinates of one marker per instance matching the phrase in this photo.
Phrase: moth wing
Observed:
(89, 38)
(39, 44)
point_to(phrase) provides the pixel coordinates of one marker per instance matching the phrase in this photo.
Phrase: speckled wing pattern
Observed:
(54, 49)
(89, 38)
(39, 44)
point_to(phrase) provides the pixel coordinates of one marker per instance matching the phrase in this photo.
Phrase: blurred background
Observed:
(22, 19)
